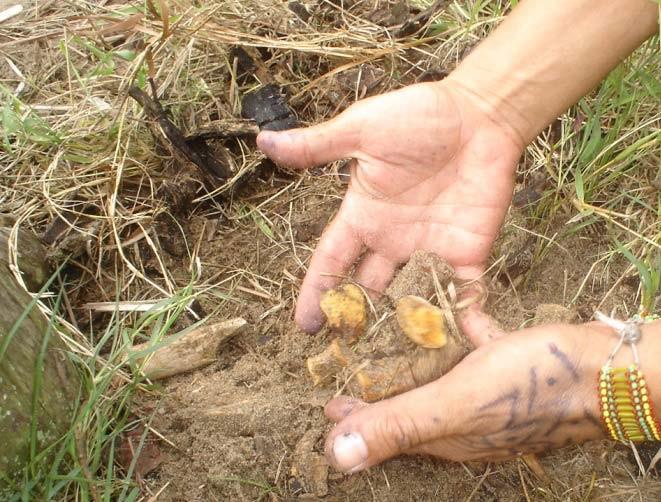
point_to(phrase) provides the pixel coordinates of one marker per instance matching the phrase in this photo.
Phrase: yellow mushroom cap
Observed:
(345, 310)
(422, 322)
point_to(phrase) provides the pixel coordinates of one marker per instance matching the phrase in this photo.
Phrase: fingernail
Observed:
(350, 452)
(309, 320)
(312, 326)
(266, 141)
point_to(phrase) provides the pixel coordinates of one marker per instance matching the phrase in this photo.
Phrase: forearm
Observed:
(547, 54)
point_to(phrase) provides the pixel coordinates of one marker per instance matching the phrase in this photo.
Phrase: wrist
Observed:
(482, 115)
(546, 55)
(498, 98)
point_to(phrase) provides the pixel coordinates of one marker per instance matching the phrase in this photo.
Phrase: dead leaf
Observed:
(147, 459)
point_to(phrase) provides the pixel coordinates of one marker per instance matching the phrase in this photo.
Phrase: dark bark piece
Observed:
(268, 108)
(244, 63)
(58, 393)
(249, 63)
(300, 10)
(197, 151)
(55, 230)
(391, 14)
(532, 192)
(226, 129)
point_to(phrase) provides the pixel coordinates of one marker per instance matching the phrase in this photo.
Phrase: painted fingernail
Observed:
(350, 452)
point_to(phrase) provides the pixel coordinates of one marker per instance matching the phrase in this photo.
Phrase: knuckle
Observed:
(307, 156)
(398, 432)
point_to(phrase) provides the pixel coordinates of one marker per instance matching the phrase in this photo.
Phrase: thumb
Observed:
(311, 146)
(479, 326)
(368, 434)
(475, 323)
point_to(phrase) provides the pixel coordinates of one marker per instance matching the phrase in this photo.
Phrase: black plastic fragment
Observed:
(268, 108)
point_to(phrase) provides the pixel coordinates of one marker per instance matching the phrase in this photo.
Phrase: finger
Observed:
(311, 146)
(341, 407)
(476, 324)
(375, 272)
(336, 252)
(479, 326)
(379, 431)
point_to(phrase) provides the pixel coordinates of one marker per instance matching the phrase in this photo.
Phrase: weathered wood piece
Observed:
(190, 351)
(48, 406)
(196, 149)
(226, 129)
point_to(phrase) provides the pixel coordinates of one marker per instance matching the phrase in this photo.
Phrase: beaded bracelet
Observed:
(626, 406)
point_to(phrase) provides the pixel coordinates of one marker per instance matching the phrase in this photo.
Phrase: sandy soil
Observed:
(252, 426)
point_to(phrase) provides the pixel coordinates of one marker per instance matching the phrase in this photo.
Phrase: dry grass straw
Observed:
(78, 150)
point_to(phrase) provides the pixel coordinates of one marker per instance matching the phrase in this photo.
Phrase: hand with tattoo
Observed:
(526, 392)
(433, 167)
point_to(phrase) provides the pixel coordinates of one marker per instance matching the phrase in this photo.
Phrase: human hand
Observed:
(525, 392)
(433, 170)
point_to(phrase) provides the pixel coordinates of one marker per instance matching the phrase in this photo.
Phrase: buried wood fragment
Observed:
(379, 378)
(189, 351)
(226, 129)
(310, 467)
(324, 366)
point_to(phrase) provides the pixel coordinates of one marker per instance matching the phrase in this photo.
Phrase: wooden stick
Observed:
(196, 150)
(190, 351)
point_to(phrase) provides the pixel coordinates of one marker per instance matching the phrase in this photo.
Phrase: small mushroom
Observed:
(324, 366)
(386, 363)
(422, 322)
(345, 310)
